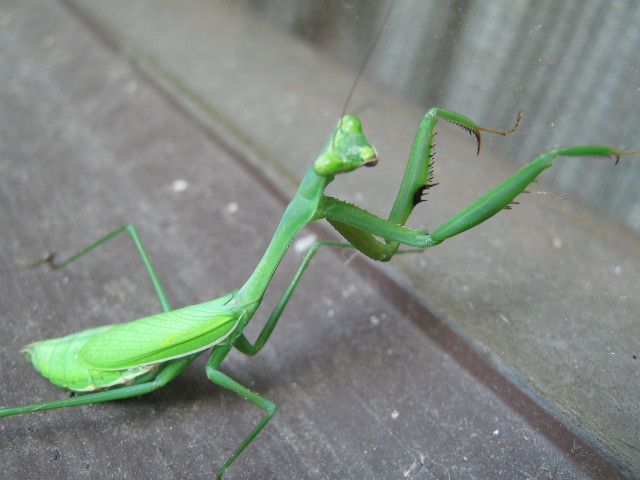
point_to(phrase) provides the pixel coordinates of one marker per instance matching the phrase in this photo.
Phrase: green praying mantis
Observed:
(129, 359)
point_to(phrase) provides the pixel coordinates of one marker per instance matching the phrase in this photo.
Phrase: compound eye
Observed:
(351, 124)
(327, 164)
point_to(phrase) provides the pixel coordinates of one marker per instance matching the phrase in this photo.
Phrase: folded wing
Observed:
(161, 337)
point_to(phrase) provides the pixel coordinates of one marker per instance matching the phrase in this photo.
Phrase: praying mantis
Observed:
(129, 359)
(111, 362)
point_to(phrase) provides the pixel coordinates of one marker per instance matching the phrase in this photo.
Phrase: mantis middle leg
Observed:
(242, 343)
(216, 376)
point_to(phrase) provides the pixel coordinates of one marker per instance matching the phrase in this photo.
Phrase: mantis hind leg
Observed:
(144, 385)
(130, 229)
(219, 353)
(167, 373)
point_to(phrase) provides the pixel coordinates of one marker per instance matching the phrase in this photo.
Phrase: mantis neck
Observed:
(298, 213)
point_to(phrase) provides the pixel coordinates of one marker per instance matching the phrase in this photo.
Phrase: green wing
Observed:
(163, 336)
(57, 359)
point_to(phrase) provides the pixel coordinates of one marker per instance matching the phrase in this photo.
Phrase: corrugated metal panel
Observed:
(573, 67)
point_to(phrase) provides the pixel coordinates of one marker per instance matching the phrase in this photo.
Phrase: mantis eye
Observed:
(327, 164)
(352, 124)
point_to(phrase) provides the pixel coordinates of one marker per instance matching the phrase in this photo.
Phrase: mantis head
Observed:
(346, 149)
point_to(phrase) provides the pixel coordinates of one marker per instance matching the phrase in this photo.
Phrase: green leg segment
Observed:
(133, 233)
(503, 195)
(242, 343)
(417, 175)
(359, 227)
(168, 372)
(219, 353)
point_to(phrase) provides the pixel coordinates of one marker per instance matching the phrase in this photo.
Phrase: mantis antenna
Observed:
(364, 63)
(367, 58)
